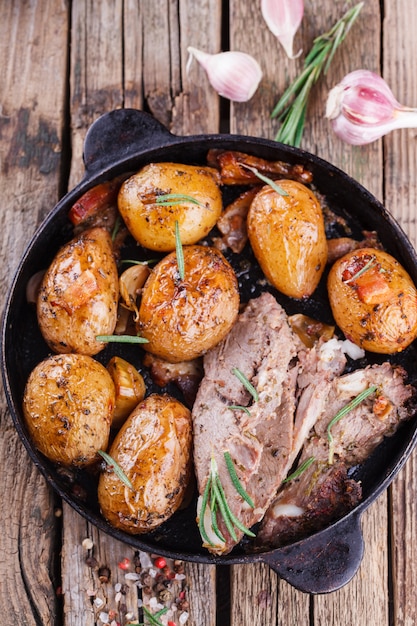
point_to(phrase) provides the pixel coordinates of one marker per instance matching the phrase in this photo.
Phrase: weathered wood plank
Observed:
(32, 88)
(400, 33)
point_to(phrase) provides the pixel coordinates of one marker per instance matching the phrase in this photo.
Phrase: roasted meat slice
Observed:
(324, 491)
(258, 434)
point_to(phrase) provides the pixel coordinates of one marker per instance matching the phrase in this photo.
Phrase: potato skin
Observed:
(68, 405)
(152, 225)
(376, 309)
(79, 294)
(184, 319)
(153, 448)
(288, 238)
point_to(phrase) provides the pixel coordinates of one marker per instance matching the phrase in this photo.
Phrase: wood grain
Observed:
(32, 88)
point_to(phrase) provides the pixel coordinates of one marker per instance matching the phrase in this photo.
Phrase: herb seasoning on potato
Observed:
(373, 300)
(195, 202)
(288, 238)
(153, 449)
(68, 407)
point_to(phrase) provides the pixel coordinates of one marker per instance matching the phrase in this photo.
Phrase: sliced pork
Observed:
(259, 437)
(324, 491)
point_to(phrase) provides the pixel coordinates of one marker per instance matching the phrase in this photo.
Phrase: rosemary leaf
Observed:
(154, 617)
(204, 503)
(179, 251)
(365, 268)
(292, 106)
(172, 199)
(238, 407)
(213, 508)
(116, 228)
(220, 497)
(235, 479)
(300, 470)
(343, 411)
(134, 262)
(245, 382)
(121, 339)
(266, 180)
(116, 469)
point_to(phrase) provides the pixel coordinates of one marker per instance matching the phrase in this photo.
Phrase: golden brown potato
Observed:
(182, 319)
(129, 386)
(152, 224)
(153, 449)
(287, 236)
(373, 300)
(79, 294)
(68, 406)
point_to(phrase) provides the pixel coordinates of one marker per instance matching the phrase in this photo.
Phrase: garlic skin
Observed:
(362, 109)
(234, 75)
(283, 18)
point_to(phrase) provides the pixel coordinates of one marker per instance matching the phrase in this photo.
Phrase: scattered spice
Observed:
(124, 564)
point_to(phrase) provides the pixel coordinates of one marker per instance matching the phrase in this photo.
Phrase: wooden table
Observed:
(63, 64)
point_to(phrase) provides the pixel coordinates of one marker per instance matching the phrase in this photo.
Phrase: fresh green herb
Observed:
(215, 495)
(365, 268)
(343, 411)
(245, 382)
(172, 199)
(237, 407)
(116, 228)
(300, 470)
(121, 339)
(292, 106)
(179, 251)
(116, 469)
(266, 180)
(235, 479)
(153, 618)
(134, 262)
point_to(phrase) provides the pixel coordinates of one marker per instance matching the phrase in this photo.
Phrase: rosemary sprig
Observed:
(172, 199)
(235, 479)
(121, 339)
(343, 411)
(238, 407)
(246, 383)
(179, 251)
(266, 180)
(152, 617)
(365, 268)
(292, 106)
(116, 469)
(116, 228)
(300, 470)
(215, 497)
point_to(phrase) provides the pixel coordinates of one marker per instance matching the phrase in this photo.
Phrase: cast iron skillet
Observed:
(122, 141)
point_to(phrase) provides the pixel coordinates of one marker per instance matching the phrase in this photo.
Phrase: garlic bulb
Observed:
(283, 18)
(362, 108)
(234, 75)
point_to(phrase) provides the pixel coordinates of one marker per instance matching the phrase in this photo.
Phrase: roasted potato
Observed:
(287, 236)
(182, 319)
(373, 300)
(195, 203)
(78, 295)
(153, 449)
(68, 406)
(129, 386)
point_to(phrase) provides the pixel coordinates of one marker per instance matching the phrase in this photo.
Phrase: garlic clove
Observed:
(283, 18)
(234, 75)
(362, 109)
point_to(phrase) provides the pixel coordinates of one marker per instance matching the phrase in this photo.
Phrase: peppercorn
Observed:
(178, 566)
(92, 562)
(145, 579)
(165, 596)
(104, 574)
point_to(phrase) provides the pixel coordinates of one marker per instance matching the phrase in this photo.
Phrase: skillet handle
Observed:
(119, 134)
(323, 562)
